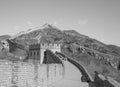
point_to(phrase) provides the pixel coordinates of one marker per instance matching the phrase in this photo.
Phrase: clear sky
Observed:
(99, 19)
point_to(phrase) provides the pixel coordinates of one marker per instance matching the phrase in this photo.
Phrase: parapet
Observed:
(44, 46)
(50, 45)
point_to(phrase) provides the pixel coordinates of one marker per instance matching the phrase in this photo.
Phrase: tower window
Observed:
(30, 53)
(34, 53)
(38, 53)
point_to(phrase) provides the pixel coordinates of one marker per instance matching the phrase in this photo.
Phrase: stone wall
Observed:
(22, 74)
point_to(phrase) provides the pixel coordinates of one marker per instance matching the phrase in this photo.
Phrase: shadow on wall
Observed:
(92, 84)
(50, 58)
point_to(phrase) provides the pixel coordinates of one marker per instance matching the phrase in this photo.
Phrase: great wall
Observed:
(47, 68)
(22, 74)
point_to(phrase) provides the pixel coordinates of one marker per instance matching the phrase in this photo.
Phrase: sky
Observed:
(98, 19)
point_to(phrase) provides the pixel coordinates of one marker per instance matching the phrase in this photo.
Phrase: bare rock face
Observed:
(4, 48)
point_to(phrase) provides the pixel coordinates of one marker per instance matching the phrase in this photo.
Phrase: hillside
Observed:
(3, 37)
(93, 54)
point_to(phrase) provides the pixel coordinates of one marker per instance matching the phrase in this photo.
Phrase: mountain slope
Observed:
(3, 37)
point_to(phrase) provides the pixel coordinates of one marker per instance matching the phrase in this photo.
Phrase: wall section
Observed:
(24, 74)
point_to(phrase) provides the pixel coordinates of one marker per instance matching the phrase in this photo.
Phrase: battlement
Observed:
(44, 46)
(50, 46)
(36, 51)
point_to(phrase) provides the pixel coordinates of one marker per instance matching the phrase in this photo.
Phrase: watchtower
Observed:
(36, 51)
(50, 46)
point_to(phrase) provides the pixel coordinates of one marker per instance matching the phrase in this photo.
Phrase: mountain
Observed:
(93, 54)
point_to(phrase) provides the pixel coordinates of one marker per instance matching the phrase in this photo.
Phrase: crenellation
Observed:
(50, 46)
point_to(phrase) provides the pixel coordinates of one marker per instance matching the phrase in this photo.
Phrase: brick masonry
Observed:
(24, 74)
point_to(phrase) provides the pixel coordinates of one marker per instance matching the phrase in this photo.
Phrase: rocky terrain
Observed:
(93, 54)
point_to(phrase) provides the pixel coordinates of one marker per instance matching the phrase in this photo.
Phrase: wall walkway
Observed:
(86, 76)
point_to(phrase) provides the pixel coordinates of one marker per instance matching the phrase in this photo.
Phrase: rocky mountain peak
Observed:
(48, 26)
